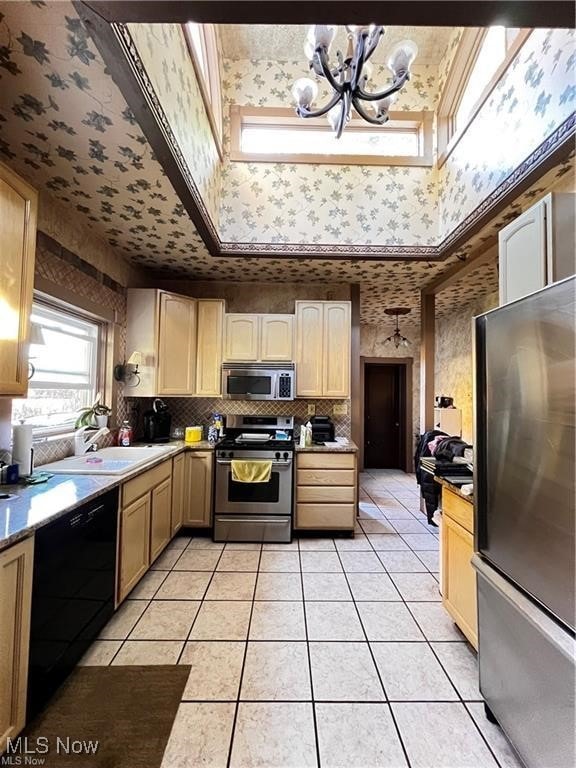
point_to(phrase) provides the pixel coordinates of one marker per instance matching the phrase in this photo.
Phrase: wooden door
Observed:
(309, 348)
(160, 518)
(198, 489)
(522, 254)
(18, 212)
(277, 338)
(176, 345)
(241, 338)
(384, 416)
(16, 567)
(209, 348)
(336, 350)
(134, 547)
(178, 478)
(459, 577)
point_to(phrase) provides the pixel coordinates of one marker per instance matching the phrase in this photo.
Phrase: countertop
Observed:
(454, 488)
(33, 506)
(348, 447)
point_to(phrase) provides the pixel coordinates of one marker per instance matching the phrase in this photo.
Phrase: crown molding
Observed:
(121, 56)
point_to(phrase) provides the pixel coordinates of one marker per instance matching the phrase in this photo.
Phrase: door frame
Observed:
(407, 363)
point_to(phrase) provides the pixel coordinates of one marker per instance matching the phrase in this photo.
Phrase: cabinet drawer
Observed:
(458, 509)
(342, 477)
(326, 461)
(332, 494)
(329, 516)
(143, 483)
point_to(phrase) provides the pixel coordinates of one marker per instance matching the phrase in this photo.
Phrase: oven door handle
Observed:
(259, 518)
(228, 462)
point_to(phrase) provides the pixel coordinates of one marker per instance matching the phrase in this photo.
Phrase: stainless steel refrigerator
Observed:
(525, 542)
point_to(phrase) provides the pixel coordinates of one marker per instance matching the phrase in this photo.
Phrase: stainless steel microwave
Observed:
(258, 381)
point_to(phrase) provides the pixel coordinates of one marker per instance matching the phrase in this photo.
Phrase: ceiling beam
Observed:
(423, 13)
(453, 275)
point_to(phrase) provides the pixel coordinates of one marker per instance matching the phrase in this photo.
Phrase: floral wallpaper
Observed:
(535, 96)
(306, 203)
(165, 55)
(448, 58)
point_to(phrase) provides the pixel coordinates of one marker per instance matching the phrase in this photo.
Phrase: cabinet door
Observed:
(16, 565)
(522, 254)
(309, 348)
(209, 348)
(336, 357)
(277, 338)
(241, 338)
(198, 492)
(161, 518)
(134, 550)
(178, 477)
(176, 345)
(18, 206)
(459, 577)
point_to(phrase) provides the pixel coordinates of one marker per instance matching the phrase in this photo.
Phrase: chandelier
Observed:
(397, 339)
(349, 77)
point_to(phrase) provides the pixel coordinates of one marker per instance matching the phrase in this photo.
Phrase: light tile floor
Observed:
(332, 653)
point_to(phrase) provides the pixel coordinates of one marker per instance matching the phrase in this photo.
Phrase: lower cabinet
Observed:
(134, 544)
(160, 518)
(458, 575)
(326, 491)
(16, 570)
(198, 489)
(178, 486)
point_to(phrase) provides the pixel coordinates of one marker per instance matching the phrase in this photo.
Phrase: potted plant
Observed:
(97, 415)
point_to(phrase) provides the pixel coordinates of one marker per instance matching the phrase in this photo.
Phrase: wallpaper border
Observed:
(123, 60)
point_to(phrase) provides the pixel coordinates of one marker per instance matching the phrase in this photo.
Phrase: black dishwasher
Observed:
(72, 593)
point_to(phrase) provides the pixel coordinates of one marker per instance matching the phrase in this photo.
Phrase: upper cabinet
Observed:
(180, 340)
(537, 248)
(259, 338)
(323, 349)
(18, 214)
(210, 321)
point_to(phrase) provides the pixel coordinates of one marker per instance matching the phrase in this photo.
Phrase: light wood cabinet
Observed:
(160, 518)
(241, 338)
(277, 338)
(210, 322)
(198, 489)
(162, 326)
(18, 214)
(323, 349)
(326, 491)
(16, 569)
(134, 550)
(537, 248)
(458, 575)
(178, 484)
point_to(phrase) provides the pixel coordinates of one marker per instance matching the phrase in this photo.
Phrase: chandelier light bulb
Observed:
(382, 107)
(304, 91)
(309, 49)
(368, 70)
(322, 34)
(402, 57)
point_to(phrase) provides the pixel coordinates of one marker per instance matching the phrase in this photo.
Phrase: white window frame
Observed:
(72, 316)
(278, 117)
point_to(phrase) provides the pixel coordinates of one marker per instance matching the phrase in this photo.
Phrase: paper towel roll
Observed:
(22, 448)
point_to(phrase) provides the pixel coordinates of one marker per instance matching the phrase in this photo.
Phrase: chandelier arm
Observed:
(396, 86)
(365, 116)
(376, 37)
(321, 52)
(358, 62)
(344, 110)
(305, 112)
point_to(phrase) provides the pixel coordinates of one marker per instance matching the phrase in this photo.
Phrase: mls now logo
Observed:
(25, 751)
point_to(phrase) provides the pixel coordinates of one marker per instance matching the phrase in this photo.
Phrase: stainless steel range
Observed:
(255, 511)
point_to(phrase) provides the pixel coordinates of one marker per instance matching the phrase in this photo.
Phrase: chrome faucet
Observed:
(83, 444)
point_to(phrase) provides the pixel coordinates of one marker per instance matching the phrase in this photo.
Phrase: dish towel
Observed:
(251, 471)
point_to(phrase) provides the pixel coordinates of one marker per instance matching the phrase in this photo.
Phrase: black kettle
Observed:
(157, 423)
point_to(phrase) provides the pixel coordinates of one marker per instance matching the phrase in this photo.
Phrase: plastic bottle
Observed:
(125, 434)
(308, 433)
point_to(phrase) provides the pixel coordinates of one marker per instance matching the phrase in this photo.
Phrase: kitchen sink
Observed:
(107, 461)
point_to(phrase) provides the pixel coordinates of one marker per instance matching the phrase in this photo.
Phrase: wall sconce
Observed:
(127, 372)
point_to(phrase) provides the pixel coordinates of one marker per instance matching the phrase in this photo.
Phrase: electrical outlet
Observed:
(340, 410)
(311, 409)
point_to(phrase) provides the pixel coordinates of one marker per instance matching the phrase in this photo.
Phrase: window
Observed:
(203, 46)
(261, 134)
(65, 369)
(482, 58)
